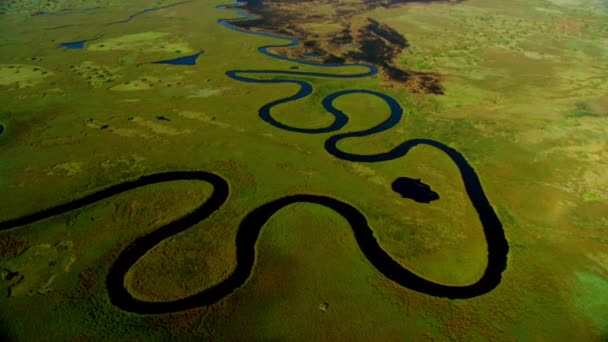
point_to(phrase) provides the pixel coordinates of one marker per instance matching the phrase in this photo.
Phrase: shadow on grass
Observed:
(5, 334)
(604, 334)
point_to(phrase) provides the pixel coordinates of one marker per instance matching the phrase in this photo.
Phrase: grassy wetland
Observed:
(145, 200)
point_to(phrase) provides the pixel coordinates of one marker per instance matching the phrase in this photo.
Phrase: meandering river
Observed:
(253, 223)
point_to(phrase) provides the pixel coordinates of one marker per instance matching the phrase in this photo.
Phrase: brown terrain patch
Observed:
(86, 279)
(12, 247)
(340, 32)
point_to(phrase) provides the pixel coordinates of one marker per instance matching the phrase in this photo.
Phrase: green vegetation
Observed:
(525, 101)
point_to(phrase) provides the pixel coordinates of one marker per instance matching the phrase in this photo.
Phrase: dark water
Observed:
(186, 60)
(291, 42)
(251, 226)
(414, 189)
(73, 45)
(492, 227)
(246, 240)
(1, 129)
(78, 45)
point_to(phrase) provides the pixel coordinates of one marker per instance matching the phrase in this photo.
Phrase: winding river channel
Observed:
(251, 226)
